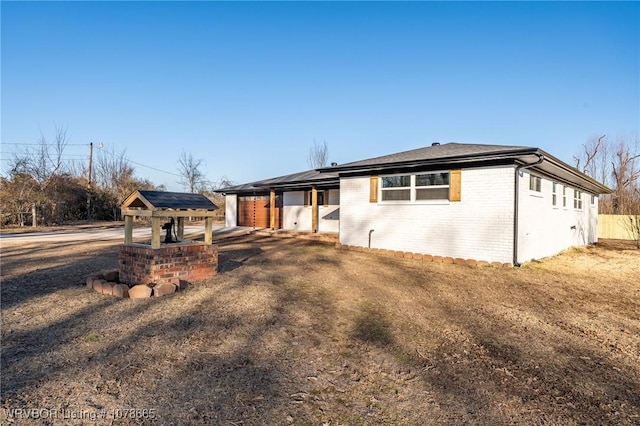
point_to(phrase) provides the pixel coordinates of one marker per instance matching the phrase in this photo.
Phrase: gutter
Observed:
(516, 204)
(453, 159)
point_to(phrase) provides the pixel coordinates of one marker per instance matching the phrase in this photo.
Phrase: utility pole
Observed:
(90, 162)
(89, 182)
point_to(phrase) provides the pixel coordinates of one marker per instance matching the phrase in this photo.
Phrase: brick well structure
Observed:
(190, 262)
(175, 258)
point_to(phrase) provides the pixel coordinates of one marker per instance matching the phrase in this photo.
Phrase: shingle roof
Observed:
(307, 177)
(445, 151)
(451, 153)
(177, 200)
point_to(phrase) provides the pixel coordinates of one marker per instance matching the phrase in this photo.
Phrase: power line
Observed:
(65, 158)
(84, 156)
(40, 144)
(139, 164)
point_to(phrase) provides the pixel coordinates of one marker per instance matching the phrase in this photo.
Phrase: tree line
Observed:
(615, 163)
(41, 187)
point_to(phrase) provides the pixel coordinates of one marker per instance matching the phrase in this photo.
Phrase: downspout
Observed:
(516, 205)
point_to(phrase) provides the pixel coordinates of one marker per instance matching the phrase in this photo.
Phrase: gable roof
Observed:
(153, 200)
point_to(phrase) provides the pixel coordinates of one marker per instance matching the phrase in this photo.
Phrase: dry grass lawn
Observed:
(297, 332)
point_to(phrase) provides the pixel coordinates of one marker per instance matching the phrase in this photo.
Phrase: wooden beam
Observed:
(168, 213)
(272, 208)
(180, 228)
(208, 230)
(314, 209)
(156, 223)
(128, 229)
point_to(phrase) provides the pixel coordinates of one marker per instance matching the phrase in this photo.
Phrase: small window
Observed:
(396, 188)
(577, 199)
(308, 198)
(535, 183)
(564, 196)
(432, 186)
(593, 200)
(554, 194)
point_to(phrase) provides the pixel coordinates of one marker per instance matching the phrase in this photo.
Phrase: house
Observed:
(493, 203)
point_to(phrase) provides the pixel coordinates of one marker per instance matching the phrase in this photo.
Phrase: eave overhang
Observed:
(552, 167)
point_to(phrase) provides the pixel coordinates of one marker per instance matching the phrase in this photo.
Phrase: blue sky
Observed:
(248, 87)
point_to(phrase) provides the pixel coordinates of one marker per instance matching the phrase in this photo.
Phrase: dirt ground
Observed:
(296, 332)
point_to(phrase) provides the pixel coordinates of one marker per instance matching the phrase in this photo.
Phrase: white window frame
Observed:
(554, 194)
(577, 199)
(413, 188)
(564, 196)
(382, 190)
(535, 183)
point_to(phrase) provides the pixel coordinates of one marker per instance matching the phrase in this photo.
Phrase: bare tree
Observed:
(189, 168)
(626, 174)
(318, 155)
(593, 158)
(616, 165)
(218, 198)
(43, 165)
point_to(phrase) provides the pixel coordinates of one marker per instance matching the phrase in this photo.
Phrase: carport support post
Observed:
(208, 230)
(128, 229)
(314, 209)
(272, 208)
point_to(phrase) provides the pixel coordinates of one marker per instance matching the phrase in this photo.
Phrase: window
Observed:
(577, 199)
(420, 187)
(396, 188)
(535, 183)
(554, 195)
(564, 196)
(308, 195)
(593, 200)
(432, 186)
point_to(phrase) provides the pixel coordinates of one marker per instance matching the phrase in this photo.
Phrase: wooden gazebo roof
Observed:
(160, 205)
(164, 204)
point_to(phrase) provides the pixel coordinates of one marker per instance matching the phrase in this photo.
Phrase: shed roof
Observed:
(294, 180)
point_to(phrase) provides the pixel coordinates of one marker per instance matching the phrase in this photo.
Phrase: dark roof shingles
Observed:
(178, 200)
(437, 152)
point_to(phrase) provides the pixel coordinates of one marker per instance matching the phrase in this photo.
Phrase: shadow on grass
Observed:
(197, 356)
(373, 326)
(71, 272)
(540, 371)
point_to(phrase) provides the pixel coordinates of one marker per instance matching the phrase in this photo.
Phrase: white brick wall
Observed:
(479, 227)
(231, 210)
(297, 217)
(544, 229)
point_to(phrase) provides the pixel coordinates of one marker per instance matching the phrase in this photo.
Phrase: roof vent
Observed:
(334, 164)
(435, 144)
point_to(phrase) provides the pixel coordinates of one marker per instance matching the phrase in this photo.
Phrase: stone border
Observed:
(424, 257)
(108, 283)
